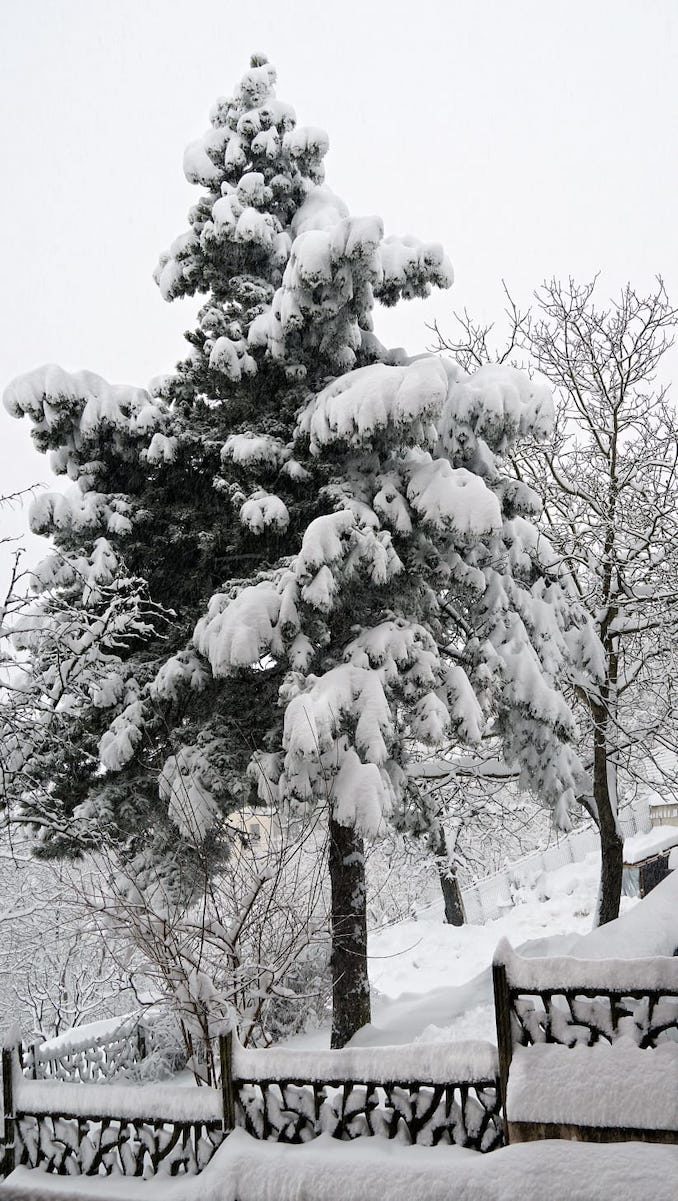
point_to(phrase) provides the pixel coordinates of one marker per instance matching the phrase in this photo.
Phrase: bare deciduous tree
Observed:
(55, 971)
(246, 948)
(609, 482)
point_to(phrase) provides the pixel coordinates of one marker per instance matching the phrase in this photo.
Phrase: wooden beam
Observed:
(502, 1010)
(227, 1092)
(9, 1132)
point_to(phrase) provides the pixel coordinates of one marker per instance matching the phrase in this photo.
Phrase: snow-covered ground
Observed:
(417, 956)
(329, 1170)
(432, 981)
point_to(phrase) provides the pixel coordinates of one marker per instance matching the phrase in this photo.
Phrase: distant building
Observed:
(646, 857)
(663, 813)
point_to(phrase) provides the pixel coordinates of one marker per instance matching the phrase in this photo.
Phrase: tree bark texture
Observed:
(611, 841)
(350, 983)
(454, 906)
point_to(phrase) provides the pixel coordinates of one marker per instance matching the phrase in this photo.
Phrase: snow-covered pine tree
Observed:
(345, 563)
(194, 484)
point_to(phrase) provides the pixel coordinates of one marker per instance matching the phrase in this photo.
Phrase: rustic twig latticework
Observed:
(531, 1010)
(106, 1059)
(290, 1111)
(43, 1131)
(65, 1140)
(70, 1144)
(425, 1094)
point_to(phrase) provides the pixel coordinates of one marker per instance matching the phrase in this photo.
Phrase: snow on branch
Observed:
(355, 407)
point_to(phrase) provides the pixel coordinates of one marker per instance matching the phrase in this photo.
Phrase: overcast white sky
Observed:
(530, 137)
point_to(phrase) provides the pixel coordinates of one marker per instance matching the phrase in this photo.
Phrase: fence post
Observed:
(227, 1094)
(503, 1017)
(9, 1122)
(33, 1056)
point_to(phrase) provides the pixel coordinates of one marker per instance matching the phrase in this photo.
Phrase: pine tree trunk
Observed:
(350, 983)
(611, 841)
(454, 906)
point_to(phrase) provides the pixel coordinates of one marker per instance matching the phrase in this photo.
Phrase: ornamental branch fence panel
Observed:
(422, 1094)
(132, 1130)
(106, 1129)
(81, 1056)
(571, 1004)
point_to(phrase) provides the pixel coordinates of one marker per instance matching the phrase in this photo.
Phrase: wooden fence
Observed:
(424, 1093)
(133, 1130)
(574, 1004)
(7, 1157)
(393, 1092)
(90, 1057)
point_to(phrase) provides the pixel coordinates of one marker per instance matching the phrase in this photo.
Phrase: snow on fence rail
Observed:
(653, 976)
(419, 1094)
(436, 1063)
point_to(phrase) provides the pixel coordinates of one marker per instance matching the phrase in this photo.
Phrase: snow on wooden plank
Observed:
(153, 1101)
(644, 846)
(654, 973)
(426, 1063)
(603, 1086)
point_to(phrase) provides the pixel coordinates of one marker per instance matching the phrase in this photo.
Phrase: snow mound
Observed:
(326, 1169)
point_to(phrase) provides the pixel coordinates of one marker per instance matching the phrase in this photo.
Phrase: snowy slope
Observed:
(433, 981)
